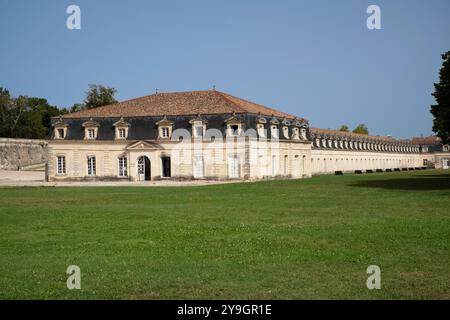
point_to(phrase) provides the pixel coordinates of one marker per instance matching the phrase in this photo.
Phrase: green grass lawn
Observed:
(297, 239)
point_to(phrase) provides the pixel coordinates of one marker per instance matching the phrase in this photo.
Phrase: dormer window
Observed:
(164, 128)
(234, 130)
(61, 133)
(198, 126)
(274, 127)
(274, 131)
(91, 133)
(121, 133)
(260, 125)
(60, 129)
(286, 132)
(198, 130)
(261, 130)
(121, 129)
(165, 132)
(330, 143)
(303, 133)
(234, 126)
(285, 128)
(295, 134)
(90, 129)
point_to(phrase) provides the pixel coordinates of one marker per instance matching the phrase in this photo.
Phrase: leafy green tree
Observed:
(344, 128)
(361, 129)
(13, 112)
(98, 96)
(5, 100)
(441, 110)
(77, 107)
(42, 110)
(25, 117)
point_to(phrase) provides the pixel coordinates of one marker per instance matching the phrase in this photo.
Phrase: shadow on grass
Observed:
(419, 182)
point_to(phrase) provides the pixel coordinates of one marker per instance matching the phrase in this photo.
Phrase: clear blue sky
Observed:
(315, 59)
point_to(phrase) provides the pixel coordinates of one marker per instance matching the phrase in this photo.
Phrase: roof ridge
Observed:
(142, 97)
(257, 104)
(223, 95)
(181, 102)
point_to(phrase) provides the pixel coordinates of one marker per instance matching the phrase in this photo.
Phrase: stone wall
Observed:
(18, 153)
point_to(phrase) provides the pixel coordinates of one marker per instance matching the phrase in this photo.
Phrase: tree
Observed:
(25, 117)
(12, 112)
(5, 100)
(42, 110)
(344, 128)
(98, 96)
(441, 110)
(77, 107)
(361, 129)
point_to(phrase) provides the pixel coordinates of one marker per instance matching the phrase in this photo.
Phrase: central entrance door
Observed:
(143, 167)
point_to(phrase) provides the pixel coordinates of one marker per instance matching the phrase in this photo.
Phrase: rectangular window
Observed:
(121, 133)
(61, 165)
(198, 131)
(165, 132)
(91, 133)
(233, 167)
(198, 167)
(91, 166)
(274, 165)
(123, 171)
(61, 133)
(234, 130)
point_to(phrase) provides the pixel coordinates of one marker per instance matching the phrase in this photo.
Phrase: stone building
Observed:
(435, 152)
(334, 150)
(210, 135)
(185, 135)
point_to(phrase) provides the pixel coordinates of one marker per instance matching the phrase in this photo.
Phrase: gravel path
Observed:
(36, 179)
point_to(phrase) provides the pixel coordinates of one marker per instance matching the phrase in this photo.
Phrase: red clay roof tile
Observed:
(179, 103)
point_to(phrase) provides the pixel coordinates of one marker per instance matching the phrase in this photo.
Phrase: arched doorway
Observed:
(143, 169)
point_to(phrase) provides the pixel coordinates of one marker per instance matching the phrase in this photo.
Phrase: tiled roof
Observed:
(431, 140)
(179, 103)
(344, 134)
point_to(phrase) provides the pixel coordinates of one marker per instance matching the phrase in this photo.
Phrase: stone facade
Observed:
(19, 153)
(211, 135)
(247, 159)
(334, 151)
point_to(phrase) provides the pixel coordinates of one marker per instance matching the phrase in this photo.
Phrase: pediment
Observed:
(121, 123)
(90, 123)
(144, 145)
(164, 122)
